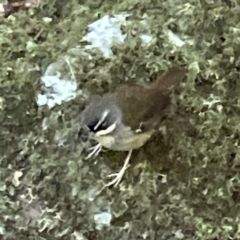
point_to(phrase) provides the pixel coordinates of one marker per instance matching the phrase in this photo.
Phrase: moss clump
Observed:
(185, 185)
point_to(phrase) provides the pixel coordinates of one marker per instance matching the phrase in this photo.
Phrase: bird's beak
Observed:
(91, 135)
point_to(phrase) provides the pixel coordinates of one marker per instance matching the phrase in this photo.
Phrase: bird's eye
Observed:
(104, 123)
(102, 126)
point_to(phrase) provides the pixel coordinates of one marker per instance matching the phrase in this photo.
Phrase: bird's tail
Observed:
(169, 79)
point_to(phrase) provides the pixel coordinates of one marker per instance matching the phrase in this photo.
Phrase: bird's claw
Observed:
(118, 176)
(95, 150)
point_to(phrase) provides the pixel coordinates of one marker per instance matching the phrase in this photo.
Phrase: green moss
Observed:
(182, 182)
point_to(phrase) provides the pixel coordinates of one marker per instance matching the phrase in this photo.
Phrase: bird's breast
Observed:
(124, 143)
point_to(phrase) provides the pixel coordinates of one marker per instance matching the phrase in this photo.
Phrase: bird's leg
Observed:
(120, 174)
(95, 150)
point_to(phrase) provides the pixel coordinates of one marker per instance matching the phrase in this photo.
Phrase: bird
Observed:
(125, 119)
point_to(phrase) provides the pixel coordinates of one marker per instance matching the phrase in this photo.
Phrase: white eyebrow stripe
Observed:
(104, 115)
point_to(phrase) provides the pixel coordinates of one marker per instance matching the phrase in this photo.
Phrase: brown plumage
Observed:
(145, 103)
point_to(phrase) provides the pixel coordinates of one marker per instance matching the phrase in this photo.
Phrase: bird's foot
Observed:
(118, 176)
(95, 150)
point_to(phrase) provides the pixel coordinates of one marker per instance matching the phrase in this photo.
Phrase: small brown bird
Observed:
(125, 119)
